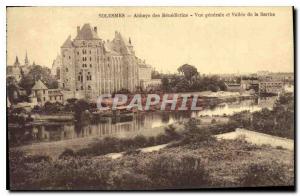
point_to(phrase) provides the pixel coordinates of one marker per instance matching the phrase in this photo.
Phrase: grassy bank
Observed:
(215, 164)
(193, 133)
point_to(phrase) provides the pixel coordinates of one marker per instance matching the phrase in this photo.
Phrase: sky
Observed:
(232, 44)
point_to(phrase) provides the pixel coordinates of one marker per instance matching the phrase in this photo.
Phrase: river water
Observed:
(147, 124)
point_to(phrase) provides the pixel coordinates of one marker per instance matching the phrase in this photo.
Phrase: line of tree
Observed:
(279, 121)
(189, 80)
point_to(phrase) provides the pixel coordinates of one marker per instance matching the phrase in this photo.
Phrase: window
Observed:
(78, 53)
(80, 77)
(90, 52)
(89, 87)
(44, 98)
(89, 77)
(90, 65)
(69, 57)
(90, 58)
(44, 92)
(67, 69)
(81, 87)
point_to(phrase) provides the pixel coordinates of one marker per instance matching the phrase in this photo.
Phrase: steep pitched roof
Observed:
(86, 33)
(39, 85)
(68, 43)
(109, 47)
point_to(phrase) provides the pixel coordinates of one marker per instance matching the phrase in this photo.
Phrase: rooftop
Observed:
(39, 85)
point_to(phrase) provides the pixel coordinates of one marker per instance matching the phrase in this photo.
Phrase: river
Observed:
(147, 124)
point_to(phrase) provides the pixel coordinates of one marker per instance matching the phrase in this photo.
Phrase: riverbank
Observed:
(55, 148)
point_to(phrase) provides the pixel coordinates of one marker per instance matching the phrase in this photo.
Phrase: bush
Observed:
(170, 131)
(111, 144)
(266, 174)
(67, 153)
(169, 172)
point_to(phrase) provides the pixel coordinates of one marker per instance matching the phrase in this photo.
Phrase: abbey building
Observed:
(91, 66)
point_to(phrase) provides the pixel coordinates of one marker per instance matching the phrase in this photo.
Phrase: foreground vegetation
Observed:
(215, 164)
(279, 121)
(196, 160)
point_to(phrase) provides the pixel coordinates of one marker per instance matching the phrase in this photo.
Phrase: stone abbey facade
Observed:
(91, 66)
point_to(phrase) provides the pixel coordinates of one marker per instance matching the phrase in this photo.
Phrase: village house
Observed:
(41, 94)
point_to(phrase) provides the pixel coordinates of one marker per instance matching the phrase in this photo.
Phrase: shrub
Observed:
(170, 131)
(67, 153)
(169, 172)
(266, 174)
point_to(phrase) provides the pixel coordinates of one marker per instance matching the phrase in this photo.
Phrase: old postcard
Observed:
(150, 98)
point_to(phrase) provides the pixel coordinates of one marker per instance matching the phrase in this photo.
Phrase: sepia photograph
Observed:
(150, 98)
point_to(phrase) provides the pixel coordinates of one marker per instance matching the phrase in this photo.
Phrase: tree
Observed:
(52, 107)
(165, 84)
(189, 71)
(80, 107)
(182, 86)
(155, 75)
(12, 89)
(38, 72)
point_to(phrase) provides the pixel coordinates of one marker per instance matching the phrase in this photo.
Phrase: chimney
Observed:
(78, 29)
(95, 29)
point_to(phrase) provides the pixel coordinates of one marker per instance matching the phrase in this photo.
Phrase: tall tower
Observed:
(26, 60)
(17, 63)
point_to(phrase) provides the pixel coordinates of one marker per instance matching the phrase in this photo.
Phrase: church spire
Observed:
(26, 59)
(17, 62)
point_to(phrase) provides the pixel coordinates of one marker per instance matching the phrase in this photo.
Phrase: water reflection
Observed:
(147, 124)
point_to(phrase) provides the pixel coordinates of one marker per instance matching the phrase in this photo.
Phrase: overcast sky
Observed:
(214, 45)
